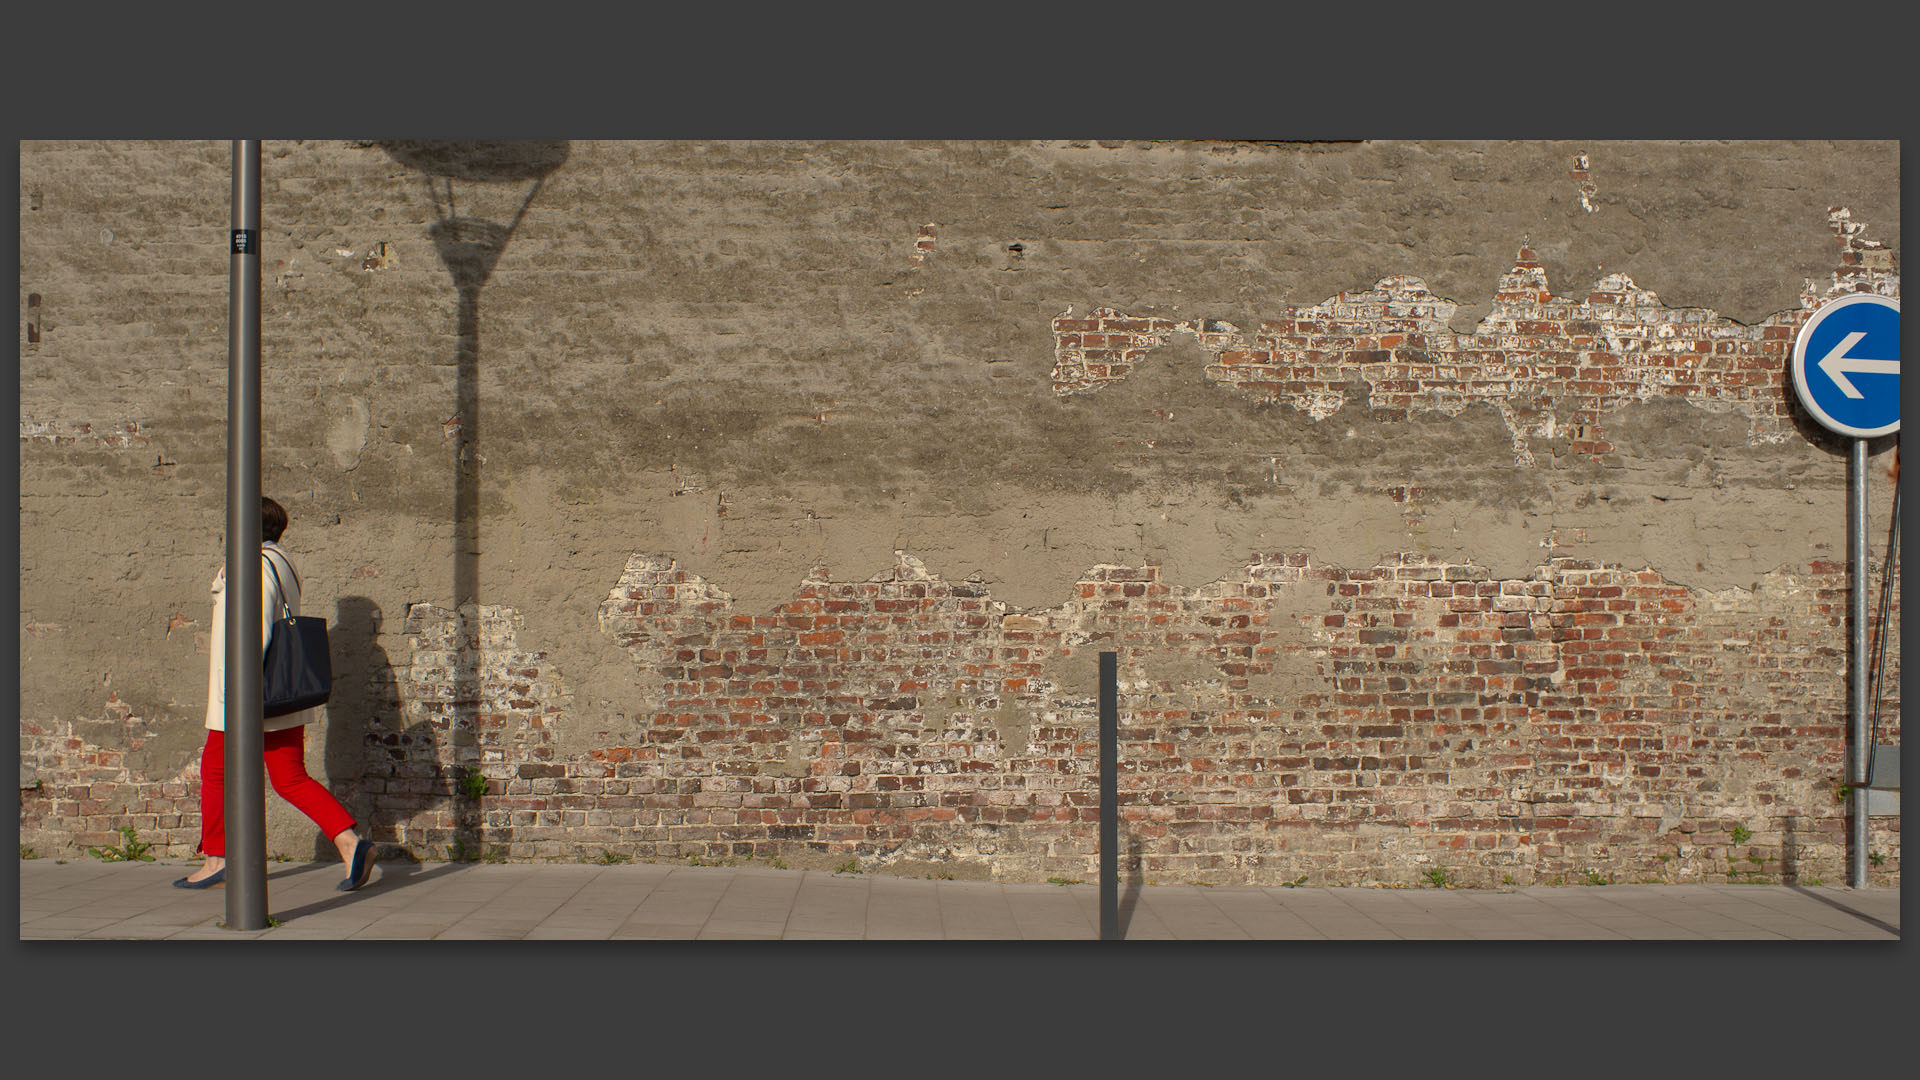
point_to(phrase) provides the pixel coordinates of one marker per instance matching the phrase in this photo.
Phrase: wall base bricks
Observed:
(1583, 725)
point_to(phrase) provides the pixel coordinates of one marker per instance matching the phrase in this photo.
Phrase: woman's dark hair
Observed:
(273, 519)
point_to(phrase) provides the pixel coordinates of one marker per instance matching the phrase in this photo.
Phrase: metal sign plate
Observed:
(1846, 366)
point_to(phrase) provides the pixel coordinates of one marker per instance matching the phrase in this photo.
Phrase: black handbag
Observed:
(299, 663)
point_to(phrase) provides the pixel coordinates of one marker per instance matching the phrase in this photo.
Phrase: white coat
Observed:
(270, 598)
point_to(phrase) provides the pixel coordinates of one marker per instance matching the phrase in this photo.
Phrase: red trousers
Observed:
(286, 753)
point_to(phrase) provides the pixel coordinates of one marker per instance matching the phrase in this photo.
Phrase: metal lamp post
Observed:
(246, 794)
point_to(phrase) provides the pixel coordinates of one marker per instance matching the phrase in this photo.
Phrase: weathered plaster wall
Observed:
(777, 367)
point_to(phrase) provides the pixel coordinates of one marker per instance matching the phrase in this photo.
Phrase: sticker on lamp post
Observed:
(1846, 366)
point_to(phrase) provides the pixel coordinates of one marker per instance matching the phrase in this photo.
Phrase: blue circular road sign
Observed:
(1846, 365)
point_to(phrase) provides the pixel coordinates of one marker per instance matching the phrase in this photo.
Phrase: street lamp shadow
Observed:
(481, 191)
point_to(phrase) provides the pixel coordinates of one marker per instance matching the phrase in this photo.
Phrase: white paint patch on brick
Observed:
(380, 256)
(488, 702)
(1584, 183)
(923, 242)
(1552, 365)
(120, 435)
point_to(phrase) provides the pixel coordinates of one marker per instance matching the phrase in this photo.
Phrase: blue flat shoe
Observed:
(218, 877)
(359, 868)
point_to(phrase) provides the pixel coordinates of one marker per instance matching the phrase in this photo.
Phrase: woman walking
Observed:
(285, 736)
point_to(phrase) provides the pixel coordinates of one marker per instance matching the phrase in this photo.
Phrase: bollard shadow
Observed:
(1790, 850)
(457, 174)
(1136, 877)
(1838, 906)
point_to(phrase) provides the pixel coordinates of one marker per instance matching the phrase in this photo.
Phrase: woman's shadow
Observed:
(365, 736)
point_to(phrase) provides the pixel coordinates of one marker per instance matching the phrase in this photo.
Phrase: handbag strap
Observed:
(279, 589)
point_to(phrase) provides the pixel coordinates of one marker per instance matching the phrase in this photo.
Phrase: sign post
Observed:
(1846, 371)
(1109, 797)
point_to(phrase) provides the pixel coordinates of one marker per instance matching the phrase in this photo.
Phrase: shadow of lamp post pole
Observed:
(467, 181)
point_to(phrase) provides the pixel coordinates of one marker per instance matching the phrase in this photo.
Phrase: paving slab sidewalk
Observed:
(481, 901)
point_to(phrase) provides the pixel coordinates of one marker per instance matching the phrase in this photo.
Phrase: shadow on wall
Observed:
(365, 704)
(1789, 852)
(1136, 877)
(464, 180)
(1833, 445)
(480, 191)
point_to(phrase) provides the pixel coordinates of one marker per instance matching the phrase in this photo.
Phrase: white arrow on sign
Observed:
(1838, 365)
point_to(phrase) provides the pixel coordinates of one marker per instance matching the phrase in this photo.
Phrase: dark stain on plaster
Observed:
(171, 745)
(1169, 422)
(1676, 428)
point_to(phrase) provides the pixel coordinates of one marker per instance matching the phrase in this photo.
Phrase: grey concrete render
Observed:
(797, 271)
(73, 900)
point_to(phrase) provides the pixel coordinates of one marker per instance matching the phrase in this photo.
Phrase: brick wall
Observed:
(1296, 721)
(83, 791)
(1337, 723)
(1301, 718)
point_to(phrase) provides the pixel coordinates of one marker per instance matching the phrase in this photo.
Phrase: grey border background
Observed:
(879, 72)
